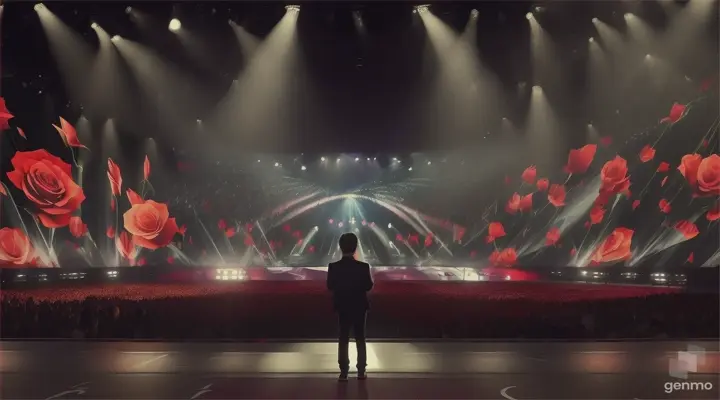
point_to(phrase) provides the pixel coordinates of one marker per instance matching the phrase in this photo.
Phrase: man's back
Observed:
(349, 280)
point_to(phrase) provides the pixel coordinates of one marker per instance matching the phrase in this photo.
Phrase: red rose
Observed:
(496, 230)
(703, 175)
(613, 176)
(676, 113)
(714, 213)
(647, 153)
(114, 177)
(529, 175)
(146, 168)
(124, 245)
(552, 236)
(77, 227)
(615, 247)
(556, 195)
(47, 182)
(597, 214)
(150, 224)
(513, 205)
(5, 115)
(503, 258)
(15, 247)
(664, 206)
(526, 203)
(687, 228)
(543, 184)
(579, 160)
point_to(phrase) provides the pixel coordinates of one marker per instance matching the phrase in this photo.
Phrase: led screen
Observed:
(69, 199)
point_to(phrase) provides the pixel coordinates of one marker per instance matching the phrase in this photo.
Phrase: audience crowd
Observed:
(302, 310)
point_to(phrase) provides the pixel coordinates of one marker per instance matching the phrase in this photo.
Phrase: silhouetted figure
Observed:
(349, 280)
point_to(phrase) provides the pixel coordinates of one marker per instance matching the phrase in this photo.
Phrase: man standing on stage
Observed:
(349, 281)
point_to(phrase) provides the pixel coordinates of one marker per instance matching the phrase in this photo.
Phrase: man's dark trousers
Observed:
(355, 320)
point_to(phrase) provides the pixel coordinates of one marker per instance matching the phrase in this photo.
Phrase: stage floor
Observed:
(402, 370)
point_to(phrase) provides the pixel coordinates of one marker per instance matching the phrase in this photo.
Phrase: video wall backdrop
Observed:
(638, 198)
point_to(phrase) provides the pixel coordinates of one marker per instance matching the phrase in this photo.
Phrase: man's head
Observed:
(348, 244)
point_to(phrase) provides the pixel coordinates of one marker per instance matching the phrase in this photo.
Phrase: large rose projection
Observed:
(150, 224)
(47, 183)
(621, 200)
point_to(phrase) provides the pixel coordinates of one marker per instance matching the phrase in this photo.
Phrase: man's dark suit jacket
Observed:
(349, 280)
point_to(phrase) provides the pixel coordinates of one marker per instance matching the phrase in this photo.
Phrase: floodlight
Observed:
(175, 25)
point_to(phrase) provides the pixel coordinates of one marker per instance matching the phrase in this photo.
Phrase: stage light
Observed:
(595, 20)
(112, 274)
(389, 226)
(175, 25)
(199, 121)
(295, 8)
(429, 162)
(338, 159)
(230, 275)
(39, 6)
(277, 164)
(357, 158)
(316, 227)
(117, 38)
(648, 56)
(128, 10)
(628, 16)
(410, 169)
(322, 158)
(374, 158)
(474, 13)
(423, 8)
(591, 39)
(529, 16)
(94, 25)
(340, 224)
(537, 89)
(303, 168)
(368, 158)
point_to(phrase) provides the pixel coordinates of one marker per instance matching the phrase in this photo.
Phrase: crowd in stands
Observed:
(302, 310)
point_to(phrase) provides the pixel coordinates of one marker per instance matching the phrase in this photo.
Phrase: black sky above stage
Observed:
(419, 125)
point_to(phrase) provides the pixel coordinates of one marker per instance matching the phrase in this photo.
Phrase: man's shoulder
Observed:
(364, 264)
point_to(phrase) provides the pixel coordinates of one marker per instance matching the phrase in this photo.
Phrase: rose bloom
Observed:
(703, 175)
(615, 247)
(503, 258)
(15, 247)
(150, 224)
(579, 160)
(614, 177)
(47, 182)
